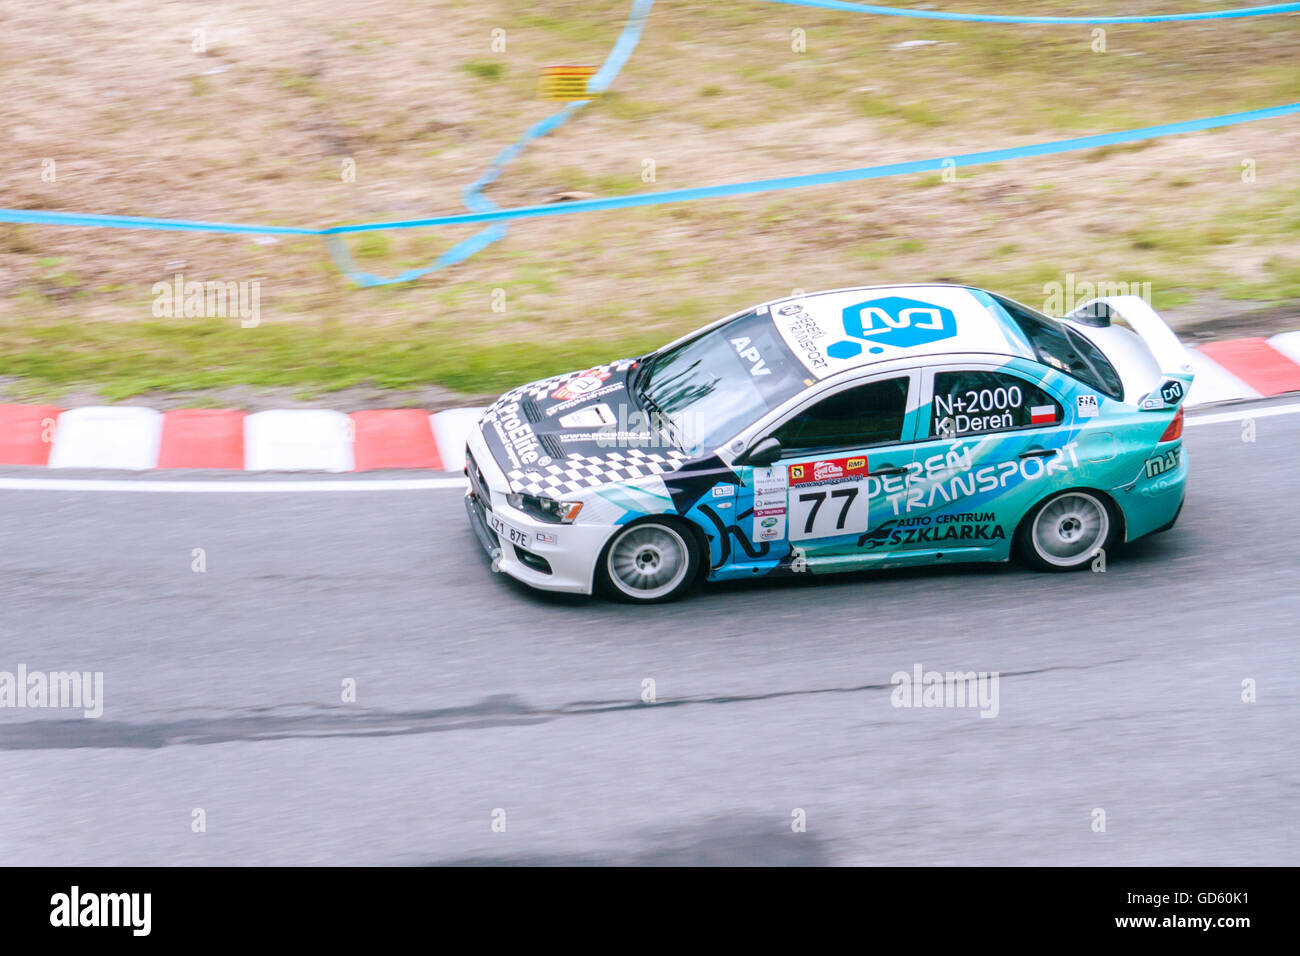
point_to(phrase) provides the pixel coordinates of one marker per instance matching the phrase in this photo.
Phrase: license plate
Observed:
(507, 533)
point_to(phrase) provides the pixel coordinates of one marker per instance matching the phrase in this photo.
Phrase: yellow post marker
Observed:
(566, 83)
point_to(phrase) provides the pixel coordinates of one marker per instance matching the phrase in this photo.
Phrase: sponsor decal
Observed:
(1162, 463)
(769, 502)
(827, 469)
(1087, 406)
(828, 498)
(751, 355)
(1171, 391)
(597, 416)
(1046, 414)
(967, 526)
(985, 409)
(545, 538)
(609, 438)
(947, 478)
(792, 309)
(802, 333)
(553, 410)
(521, 444)
(582, 384)
(893, 321)
(770, 521)
(724, 491)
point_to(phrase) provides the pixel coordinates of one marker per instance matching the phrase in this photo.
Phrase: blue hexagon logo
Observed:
(898, 322)
(844, 349)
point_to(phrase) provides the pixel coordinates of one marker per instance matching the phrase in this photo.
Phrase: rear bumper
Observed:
(1154, 502)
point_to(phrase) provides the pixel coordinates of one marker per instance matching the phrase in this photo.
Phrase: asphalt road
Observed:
(1119, 691)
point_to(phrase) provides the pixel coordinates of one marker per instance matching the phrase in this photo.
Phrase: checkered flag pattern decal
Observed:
(580, 472)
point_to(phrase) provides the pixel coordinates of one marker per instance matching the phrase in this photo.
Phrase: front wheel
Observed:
(648, 562)
(1065, 531)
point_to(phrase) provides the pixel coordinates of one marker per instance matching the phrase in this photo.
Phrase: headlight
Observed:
(546, 509)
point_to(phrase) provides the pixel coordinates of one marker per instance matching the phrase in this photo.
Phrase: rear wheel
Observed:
(649, 561)
(1065, 532)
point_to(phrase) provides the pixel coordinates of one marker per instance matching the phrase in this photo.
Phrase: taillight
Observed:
(1175, 429)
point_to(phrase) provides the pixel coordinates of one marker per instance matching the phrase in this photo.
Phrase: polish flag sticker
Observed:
(1042, 414)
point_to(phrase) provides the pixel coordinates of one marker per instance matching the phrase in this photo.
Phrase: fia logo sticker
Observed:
(1087, 406)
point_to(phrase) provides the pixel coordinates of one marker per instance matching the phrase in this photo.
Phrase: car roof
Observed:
(841, 329)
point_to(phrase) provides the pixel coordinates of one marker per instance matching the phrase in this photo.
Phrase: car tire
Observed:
(1065, 531)
(649, 562)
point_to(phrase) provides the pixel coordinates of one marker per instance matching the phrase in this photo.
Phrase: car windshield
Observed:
(714, 385)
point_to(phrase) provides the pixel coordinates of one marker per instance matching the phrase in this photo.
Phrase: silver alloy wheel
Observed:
(1069, 529)
(647, 561)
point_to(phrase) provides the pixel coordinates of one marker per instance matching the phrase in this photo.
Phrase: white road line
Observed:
(237, 486)
(1243, 413)
(233, 487)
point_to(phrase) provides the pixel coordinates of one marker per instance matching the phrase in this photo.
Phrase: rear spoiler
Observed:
(1176, 371)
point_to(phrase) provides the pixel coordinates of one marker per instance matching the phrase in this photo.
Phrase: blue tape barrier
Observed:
(675, 195)
(871, 8)
(473, 197)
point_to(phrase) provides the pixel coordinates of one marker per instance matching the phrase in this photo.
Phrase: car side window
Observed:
(1063, 348)
(857, 417)
(972, 402)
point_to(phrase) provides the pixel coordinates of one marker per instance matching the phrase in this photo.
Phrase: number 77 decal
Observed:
(828, 498)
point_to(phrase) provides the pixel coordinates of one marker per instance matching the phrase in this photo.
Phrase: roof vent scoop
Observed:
(1095, 314)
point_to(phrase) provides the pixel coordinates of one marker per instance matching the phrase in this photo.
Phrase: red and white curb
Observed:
(136, 439)
(313, 440)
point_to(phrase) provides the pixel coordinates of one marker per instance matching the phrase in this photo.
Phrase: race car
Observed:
(871, 427)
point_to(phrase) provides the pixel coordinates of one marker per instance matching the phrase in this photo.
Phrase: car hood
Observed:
(576, 431)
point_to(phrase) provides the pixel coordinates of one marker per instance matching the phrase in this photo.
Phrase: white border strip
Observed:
(233, 487)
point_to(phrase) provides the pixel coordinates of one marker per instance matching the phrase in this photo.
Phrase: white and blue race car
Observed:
(869, 427)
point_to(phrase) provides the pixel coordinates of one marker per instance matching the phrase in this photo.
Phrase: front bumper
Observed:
(550, 557)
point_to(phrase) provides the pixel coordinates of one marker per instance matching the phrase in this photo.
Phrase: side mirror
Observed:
(762, 452)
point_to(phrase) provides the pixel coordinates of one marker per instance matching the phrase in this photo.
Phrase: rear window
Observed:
(1065, 349)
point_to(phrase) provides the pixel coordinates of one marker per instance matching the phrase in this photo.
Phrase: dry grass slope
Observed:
(257, 127)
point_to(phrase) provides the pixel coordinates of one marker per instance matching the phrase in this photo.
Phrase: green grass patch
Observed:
(484, 69)
(122, 360)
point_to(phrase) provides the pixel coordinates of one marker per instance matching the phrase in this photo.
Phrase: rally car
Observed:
(869, 427)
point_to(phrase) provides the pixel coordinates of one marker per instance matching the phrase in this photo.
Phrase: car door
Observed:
(991, 437)
(812, 507)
